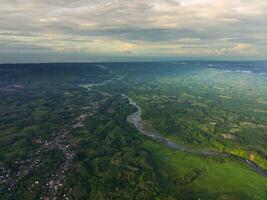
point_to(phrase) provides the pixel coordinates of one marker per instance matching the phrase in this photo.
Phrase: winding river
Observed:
(136, 120)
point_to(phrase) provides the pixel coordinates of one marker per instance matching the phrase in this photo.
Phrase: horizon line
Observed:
(145, 61)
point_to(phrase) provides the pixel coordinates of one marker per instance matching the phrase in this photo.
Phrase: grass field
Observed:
(205, 178)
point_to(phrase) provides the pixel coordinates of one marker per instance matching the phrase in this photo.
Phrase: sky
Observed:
(132, 30)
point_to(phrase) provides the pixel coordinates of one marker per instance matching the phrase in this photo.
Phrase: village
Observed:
(11, 176)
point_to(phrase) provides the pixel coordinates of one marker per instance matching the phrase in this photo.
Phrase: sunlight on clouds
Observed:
(193, 2)
(202, 28)
(239, 49)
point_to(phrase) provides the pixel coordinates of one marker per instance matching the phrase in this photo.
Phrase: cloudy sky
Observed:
(103, 30)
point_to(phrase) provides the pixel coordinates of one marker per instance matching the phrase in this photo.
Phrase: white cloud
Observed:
(237, 49)
(192, 27)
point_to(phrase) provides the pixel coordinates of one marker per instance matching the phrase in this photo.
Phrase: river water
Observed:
(136, 120)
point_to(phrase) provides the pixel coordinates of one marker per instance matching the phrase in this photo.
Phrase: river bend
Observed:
(136, 120)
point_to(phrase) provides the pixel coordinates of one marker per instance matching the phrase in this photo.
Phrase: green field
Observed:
(64, 132)
(205, 178)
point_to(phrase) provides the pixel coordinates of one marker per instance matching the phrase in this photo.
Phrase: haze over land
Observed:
(108, 30)
(154, 130)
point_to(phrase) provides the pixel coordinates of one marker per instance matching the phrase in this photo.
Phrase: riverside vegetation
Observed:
(64, 132)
